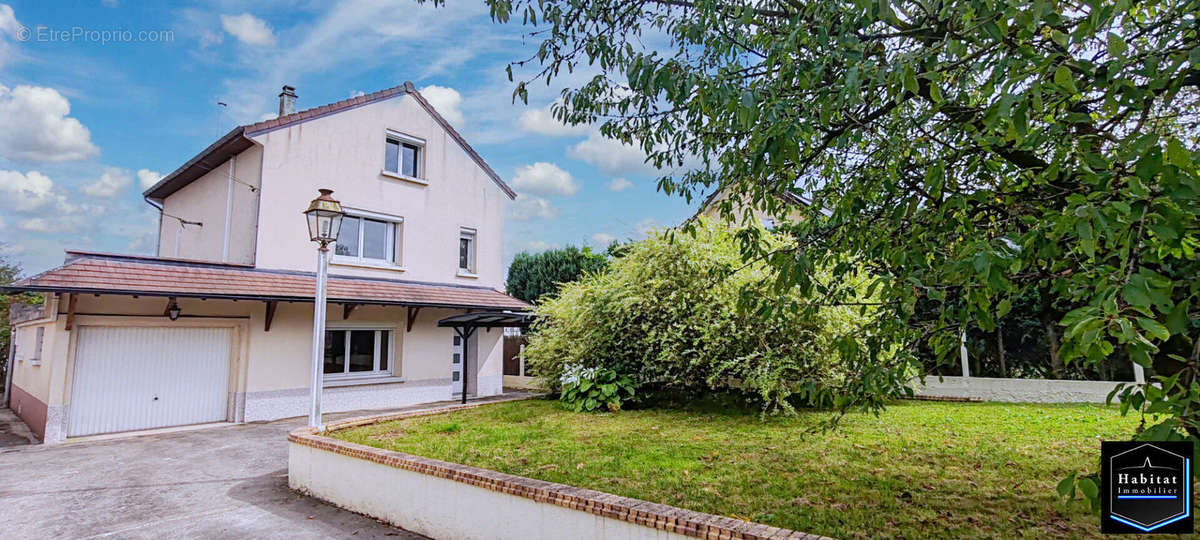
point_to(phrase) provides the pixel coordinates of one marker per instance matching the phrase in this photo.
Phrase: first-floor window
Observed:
(353, 353)
(366, 240)
(466, 250)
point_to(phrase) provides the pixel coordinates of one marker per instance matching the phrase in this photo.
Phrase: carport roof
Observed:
(488, 319)
(101, 273)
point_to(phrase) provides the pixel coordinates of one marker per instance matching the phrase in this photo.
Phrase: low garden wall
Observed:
(449, 501)
(1017, 390)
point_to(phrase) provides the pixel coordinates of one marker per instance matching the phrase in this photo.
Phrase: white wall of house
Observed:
(345, 152)
(269, 370)
(209, 200)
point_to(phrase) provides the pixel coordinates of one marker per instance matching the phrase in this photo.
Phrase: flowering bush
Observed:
(684, 313)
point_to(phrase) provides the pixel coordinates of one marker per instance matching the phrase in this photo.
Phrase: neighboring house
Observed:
(218, 326)
(711, 208)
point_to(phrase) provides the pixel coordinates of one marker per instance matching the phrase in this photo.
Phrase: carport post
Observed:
(466, 364)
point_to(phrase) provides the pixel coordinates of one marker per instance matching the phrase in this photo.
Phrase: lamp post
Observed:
(324, 224)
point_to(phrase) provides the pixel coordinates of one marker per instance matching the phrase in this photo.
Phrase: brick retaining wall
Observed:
(659, 517)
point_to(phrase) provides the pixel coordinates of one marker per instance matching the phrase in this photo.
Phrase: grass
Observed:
(920, 469)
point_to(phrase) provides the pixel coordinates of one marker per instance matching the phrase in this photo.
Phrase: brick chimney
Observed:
(287, 100)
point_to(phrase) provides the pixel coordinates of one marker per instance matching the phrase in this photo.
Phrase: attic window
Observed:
(403, 156)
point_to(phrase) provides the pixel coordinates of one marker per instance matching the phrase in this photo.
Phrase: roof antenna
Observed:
(217, 120)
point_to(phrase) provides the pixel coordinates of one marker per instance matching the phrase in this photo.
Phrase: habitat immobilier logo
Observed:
(1146, 487)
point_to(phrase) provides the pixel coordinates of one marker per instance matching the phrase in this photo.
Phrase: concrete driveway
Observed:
(227, 481)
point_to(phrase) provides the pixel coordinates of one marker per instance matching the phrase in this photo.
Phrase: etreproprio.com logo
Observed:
(80, 34)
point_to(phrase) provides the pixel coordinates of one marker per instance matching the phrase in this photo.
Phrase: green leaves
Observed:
(1064, 79)
(1116, 45)
(531, 277)
(596, 389)
(685, 314)
(966, 154)
(1066, 487)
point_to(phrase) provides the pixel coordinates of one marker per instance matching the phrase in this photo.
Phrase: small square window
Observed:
(402, 156)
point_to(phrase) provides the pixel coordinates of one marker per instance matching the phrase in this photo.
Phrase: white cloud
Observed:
(8, 21)
(543, 178)
(28, 192)
(603, 239)
(543, 122)
(528, 207)
(11, 250)
(539, 245)
(645, 226)
(610, 155)
(147, 178)
(209, 38)
(248, 29)
(34, 194)
(616, 158)
(143, 243)
(36, 127)
(446, 101)
(10, 29)
(60, 224)
(360, 36)
(111, 182)
(619, 184)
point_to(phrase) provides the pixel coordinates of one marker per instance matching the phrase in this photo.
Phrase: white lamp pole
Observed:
(324, 224)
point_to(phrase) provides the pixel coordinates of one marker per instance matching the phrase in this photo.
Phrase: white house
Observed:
(218, 326)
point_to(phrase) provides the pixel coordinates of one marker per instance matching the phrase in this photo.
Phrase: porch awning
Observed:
(488, 319)
(99, 273)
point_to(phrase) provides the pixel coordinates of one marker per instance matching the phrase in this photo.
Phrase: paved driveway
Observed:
(228, 481)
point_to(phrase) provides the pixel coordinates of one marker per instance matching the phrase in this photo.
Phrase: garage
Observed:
(131, 378)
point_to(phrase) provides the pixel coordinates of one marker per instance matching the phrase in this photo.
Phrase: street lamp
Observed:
(324, 223)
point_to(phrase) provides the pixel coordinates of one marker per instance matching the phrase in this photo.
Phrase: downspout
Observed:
(157, 245)
(228, 210)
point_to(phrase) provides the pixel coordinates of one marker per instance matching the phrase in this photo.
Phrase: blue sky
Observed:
(85, 124)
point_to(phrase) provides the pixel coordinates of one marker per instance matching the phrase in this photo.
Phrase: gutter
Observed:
(250, 297)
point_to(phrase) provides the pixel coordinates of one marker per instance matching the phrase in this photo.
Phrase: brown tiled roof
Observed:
(239, 139)
(116, 274)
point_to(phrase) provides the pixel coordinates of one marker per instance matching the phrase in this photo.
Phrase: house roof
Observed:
(790, 197)
(101, 273)
(238, 139)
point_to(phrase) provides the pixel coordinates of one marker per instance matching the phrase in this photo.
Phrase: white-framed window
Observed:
(39, 337)
(370, 238)
(404, 156)
(358, 352)
(466, 250)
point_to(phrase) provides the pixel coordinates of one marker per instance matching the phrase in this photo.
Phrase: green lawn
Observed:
(920, 469)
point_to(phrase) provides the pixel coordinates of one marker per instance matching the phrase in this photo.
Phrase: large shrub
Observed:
(532, 276)
(673, 315)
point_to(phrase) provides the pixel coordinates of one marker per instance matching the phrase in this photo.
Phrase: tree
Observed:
(531, 277)
(964, 150)
(9, 272)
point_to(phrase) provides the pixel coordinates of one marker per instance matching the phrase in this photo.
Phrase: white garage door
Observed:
(140, 378)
